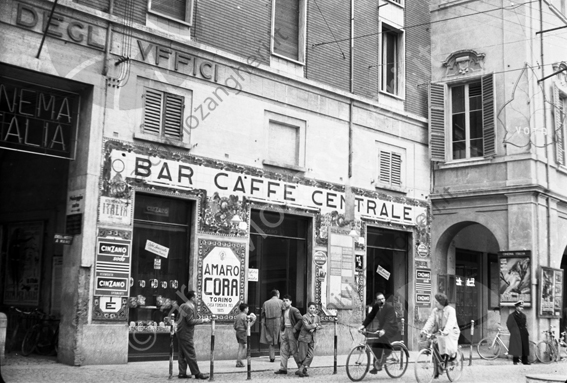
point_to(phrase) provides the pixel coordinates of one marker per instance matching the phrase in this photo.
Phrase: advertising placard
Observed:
(423, 287)
(550, 292)
(112, 269)
(221, 279)
(515, 277)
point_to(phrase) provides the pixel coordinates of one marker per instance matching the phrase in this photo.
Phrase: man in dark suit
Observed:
(185, 332)
(388, 328)
(289, 334)
(519, 337)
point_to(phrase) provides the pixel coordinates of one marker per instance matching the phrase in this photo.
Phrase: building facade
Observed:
(497, 137)
(231, 148)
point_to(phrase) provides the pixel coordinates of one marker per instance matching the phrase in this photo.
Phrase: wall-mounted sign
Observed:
(550, 292)
(320, 258)
(112, 269)
(252, 275)
(183, 175)
(38, 119)
(75, 202)
(423, 287)
(515, 277)
(423, 299)
(156, 248)
(63, 239)
(221, 276)
(116, 211)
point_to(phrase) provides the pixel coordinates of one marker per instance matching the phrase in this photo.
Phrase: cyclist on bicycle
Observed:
(443, 318)
(388, 328)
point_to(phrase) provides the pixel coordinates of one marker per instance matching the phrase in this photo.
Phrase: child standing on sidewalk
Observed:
(309, 326)
(240, 326)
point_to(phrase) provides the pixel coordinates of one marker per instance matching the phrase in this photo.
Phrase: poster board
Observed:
(24, 252)
(515, 277)
(550, 293)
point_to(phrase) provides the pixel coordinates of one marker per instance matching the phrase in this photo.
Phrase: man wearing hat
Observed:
(519, 336)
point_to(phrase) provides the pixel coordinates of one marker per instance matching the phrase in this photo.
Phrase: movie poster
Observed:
(515, 277)
(550, 292)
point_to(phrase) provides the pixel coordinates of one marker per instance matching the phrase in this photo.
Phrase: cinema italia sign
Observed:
(177, 174)
(37, 119)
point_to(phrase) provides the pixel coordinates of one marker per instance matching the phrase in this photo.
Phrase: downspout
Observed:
(108, 37)
(547, 166)
(351, 89)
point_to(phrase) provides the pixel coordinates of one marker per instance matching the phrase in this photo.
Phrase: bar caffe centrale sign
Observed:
(171, 173)
(37, 119)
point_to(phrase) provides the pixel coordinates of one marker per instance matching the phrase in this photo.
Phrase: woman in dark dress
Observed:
(519, 336)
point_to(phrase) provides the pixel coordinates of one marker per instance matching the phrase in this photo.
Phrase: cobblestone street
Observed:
(36, 370)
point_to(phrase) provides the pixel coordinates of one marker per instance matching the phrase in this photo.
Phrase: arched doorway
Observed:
(468, 273)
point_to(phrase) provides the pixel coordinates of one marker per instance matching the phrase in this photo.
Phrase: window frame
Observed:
(302, 33)
(188, 20)
(559, 126)
(391, 150)
(163, 109)
(391, 28)
(467, 121)
(300, 125)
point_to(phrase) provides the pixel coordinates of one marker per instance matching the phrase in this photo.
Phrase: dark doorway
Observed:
(468, 281)
(278, 250)
(387, 258)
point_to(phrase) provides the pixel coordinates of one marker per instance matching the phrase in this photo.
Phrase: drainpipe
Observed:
(351, 89)
(108, 37)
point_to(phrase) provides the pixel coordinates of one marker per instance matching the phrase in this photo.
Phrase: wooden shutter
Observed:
(488, 124)
(173, 116)
(286, 23)
(152, 111)
(176, 9)
(385, 167)
(558, 126)
(396, 169)
(437, 122)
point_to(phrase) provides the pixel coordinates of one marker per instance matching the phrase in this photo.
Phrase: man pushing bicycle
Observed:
(387, 328)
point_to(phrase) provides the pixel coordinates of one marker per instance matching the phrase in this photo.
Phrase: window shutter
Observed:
(558, 126)
(488, 125)
(152, 111)
(286, 22)
(173, 116)
(437, 122)
(385, 167)
(396, 169)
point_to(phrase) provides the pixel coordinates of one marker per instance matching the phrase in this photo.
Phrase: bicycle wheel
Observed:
(358, 363)
(424, 366)
(488, 348)
(30, 340)
(543, 351)
(532, 358)
(455, 367)
(45, 340)
(397, 363)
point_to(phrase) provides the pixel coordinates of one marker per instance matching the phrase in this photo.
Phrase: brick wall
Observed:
(241, 27)
(418, 53)
(325, 63)
(366, 43)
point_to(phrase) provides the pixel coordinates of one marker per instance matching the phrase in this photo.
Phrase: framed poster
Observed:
(550, 292)
(515, 277)
(23, 263)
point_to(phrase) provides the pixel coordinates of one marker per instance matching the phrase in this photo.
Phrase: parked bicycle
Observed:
(491, 347)
(551, 349)
(361, 356)
(18, 323)
(429, 363)
(42, 337)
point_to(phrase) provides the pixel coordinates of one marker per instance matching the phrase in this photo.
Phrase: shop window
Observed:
(160, 259)
(163, 114)
(467, 130)
(178, 10)
(288, 29)
(285, 141)
(390, 168)
(391, 64)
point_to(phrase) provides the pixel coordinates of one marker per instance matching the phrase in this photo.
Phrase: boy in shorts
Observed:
(241, 326)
